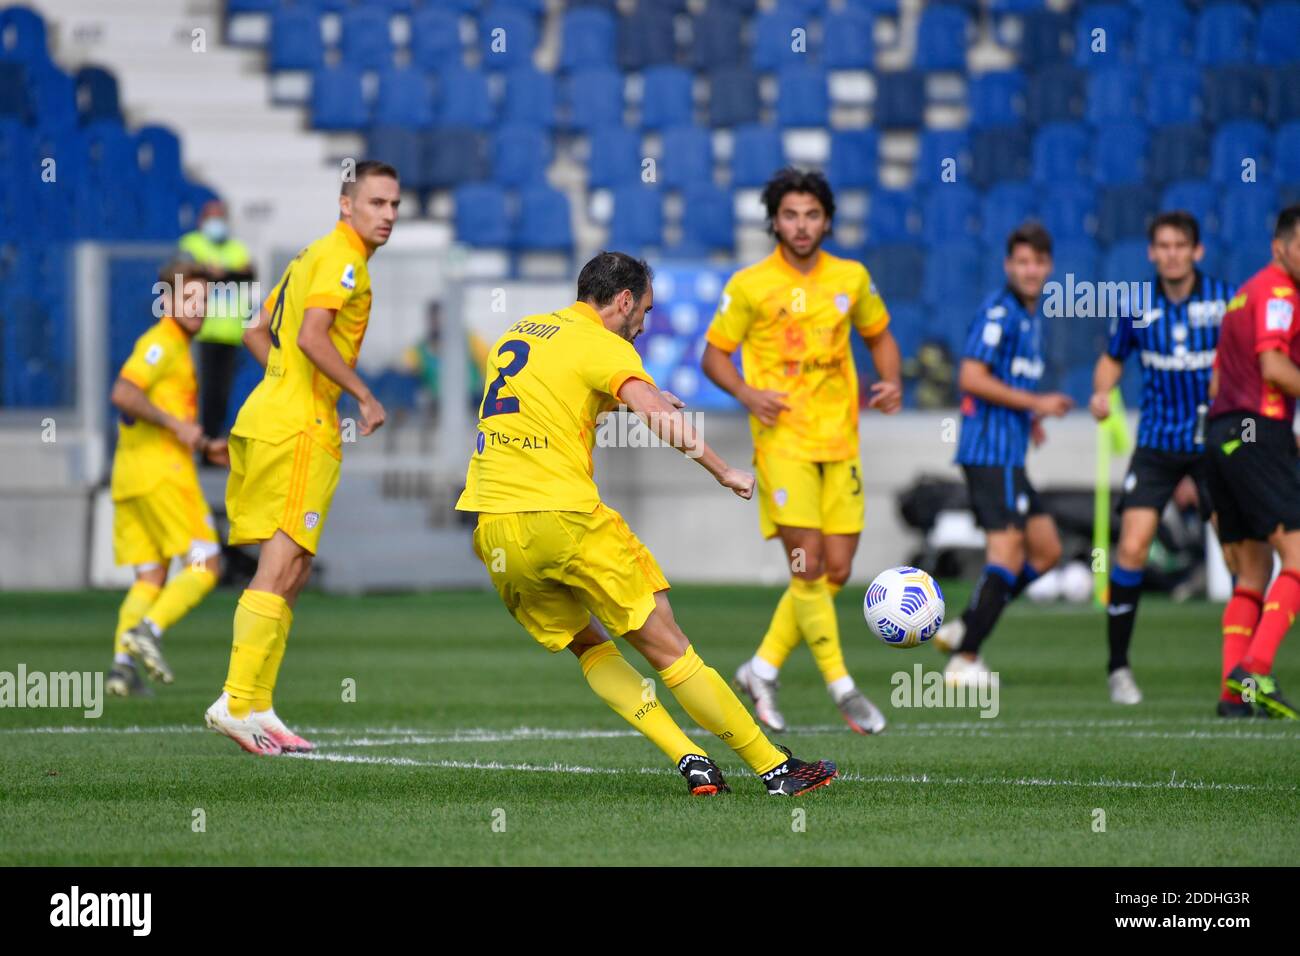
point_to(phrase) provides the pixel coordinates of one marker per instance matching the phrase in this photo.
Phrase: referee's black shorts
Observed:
(1153, 474)
(1252, 476)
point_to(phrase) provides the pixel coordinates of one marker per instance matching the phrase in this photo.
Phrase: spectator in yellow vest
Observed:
(226, 260)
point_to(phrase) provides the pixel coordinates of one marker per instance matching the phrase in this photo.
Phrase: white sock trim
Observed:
(838, 688)
(763, 670)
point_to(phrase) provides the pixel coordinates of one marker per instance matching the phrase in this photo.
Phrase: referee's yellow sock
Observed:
(181, 595)
(713, 705)
(139, 598)
(257, 629)
(270, 672)
(619, 684)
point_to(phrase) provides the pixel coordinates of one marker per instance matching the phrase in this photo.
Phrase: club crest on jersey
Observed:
(349, 280)
(311, 519)
(992, 334)
(780, 496)
(1277, 315)
(153, 354)
(842, 303)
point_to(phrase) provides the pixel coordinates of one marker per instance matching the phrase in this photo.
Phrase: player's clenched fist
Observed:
(372, 414)
(739, 481)
(1099, 405)
(1052, 405)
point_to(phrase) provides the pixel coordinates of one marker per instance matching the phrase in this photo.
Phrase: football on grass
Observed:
(904, 607)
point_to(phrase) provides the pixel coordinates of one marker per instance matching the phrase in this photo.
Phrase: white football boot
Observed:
(243, 731)
(962, 671)
(274, 728)
(763, 694)
(860, 713)
(1123, 688)
(949, 637)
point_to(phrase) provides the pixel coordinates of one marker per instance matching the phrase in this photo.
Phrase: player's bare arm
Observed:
(1280, 372)
(887, 394)
(130, 399)
(976, 378)
(764, 404)
(314, 340)
(257, 337)
(1105, 376)
(660, 411)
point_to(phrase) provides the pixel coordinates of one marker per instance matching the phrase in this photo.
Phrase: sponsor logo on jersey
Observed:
(153, 354)
(1022, 367)
(1180, 361)
(992, 334)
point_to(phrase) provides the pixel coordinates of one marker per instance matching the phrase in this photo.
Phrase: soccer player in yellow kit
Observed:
(566, 566)
(792, 314)
(285, 447)
(158, 508)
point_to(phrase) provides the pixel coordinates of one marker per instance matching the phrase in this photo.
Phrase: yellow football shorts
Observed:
(155, 527)
(556, 569)
(809, 494)
(279, 487)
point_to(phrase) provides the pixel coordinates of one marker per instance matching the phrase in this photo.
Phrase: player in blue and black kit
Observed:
(1175, 338)
(1001, 410)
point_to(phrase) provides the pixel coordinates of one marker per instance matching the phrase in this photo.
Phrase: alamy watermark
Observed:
(917, 688)
(80, 690)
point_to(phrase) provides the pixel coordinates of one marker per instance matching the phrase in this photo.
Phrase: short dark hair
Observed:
(1179, 219)
(791, 180)
(184, 266)
(1031, 234)
(607, 274)
(1287, 220)
(367, 167)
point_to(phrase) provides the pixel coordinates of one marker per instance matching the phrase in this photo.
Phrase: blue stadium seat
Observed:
(295, 40)
(1005, 207)
(1124, 211)
(158, 154)
(1241, 262)
(1164, 33)
(1078, 256)
(1236, 143)
(1173, 94)
(1246, 213)
(1045, 38)
(1197, 196)
(953, 276)
(1000, 154)
(481, 218)
(1061, 153)
(667, 98)
(773, 38)
(848, 42)
(707, 216)
(400, 147)
(507, 37)
(1056, 94)
(1235, 92)
(1225, 35)
(22, 36)
(892, 216)
(802, 98)
(587, 38)
(1068, 210)
(96, 95)
(1126, 261)
(1115, 23)
(997, 99)
(1119, 151)
(645, 38)
(520, 155)
(615, 157)
(940, 149)
(529, 97)
(364, 39)
(532, 7)
(950, 211)
(638, 219)
(1114, 93)
(111, 209)
(405, 98)
(14, 102)
(435, 39)
(898, 269)
(53, 95)
(900, 100)
(463, 98)
(907, 323)
(855, 158)
(686, 157)
(756, 152)
(454, 156)
(716, 38)
(545, 223)
(1286, 153)
(1279, 25)
(1178, 152)
(595, 98)
(337, 101)
(1283, 94)
(17, 204)
(733, 96)
(941, 39)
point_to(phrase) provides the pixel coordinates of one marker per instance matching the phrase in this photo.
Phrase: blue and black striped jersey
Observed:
(1175, 342)
(1009, 340)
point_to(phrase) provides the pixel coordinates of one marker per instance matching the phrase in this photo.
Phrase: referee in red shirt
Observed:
(1253, 477)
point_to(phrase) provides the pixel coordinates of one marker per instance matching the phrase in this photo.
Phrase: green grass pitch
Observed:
(468, 744)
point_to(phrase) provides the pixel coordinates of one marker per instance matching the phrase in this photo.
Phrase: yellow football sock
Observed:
(139, 598)
(181, 595)
(712, 704)
(782, 635)
(270, 672)
(619, 684)
(257, 629)
(815, 608)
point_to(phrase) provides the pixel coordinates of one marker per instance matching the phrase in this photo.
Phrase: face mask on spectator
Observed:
(216, 229)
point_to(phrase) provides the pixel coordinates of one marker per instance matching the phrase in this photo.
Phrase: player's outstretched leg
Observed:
(632, 697)
(712, 704)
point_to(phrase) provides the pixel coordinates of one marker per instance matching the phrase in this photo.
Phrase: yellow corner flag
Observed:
(1113, 438)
